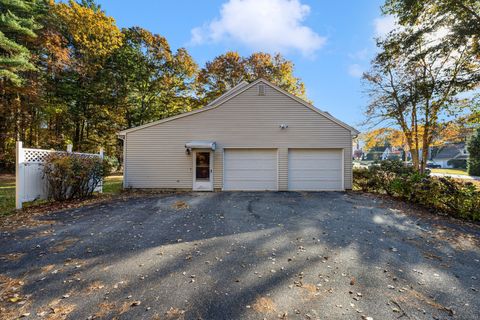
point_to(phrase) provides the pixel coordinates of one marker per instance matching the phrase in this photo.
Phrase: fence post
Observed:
(69, 147)
(101, 157)
(19, 174)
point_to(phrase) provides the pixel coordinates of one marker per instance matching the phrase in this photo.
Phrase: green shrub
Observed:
(72, 176)
(460, 199)
(457, 163)
(392, 177)
(361, 179)
(112, 163)
(473, 148)
(447, 195)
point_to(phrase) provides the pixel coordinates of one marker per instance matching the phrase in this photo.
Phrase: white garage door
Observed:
(315, 169)
(250, 169)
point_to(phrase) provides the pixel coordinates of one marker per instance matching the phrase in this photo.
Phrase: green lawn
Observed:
(7, 193)
(462, 172)
(112, 186)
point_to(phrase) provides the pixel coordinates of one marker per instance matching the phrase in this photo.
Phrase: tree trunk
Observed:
(76, 137)
(415, 158)
(413, 146)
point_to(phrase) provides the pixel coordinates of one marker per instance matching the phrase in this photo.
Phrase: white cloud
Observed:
(384, 25)
(359, 55)
(355, 70)
(268, 25)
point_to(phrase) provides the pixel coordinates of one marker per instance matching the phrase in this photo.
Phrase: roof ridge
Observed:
(228, 93)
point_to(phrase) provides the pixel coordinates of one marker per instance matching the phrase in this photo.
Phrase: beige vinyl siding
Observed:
(156, 155)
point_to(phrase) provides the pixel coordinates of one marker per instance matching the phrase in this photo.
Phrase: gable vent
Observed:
(261, 89)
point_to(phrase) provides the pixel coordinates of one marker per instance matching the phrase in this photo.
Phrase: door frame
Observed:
(203, 185)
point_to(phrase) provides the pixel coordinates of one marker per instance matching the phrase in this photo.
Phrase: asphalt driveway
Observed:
(242, 256)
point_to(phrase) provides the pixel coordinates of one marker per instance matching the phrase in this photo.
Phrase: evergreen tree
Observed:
(473, 148)
(17, 27)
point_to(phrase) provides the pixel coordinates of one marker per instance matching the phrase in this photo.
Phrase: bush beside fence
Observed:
(73, 176)
(459, 199)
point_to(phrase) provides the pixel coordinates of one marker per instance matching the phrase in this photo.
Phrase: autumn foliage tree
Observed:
(414, 87)
(229, 69)
(383, 137)
(147, 80)
(461, 17)
(91, 37)
(423, 67)
(448, 132)
(68, 74)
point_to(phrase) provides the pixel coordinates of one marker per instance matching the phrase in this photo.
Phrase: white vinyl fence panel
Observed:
(30, 184)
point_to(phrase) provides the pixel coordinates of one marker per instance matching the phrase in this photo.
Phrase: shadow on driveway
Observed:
(243, 255)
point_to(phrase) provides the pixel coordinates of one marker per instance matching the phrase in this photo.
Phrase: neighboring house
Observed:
(392, 153)
(375, 154)
(254, 137)
(384, 153)
(451, 155)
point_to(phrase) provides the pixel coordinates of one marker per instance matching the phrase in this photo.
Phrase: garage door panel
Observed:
(250, 185)
(260, 164)
(306, 156)
(333, 164)
(324, 174)
(315, 169)
(250, 169)
(254, 175)
(314, 185)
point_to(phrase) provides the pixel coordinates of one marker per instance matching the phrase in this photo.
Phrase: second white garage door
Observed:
(315, 169)
(250, 169)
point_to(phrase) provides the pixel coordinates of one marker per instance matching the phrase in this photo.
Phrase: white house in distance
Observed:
(449, 153)
(254, 137)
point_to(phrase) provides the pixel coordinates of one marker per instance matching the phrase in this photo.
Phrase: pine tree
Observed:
(17, 27)
(473, 148)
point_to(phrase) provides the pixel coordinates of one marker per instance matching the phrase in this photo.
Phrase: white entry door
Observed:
(315, 169)
(250, 169)
(202, 171)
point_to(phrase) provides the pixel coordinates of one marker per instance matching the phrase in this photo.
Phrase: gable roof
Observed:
(228, 93)
(450, 151)
(235, 91)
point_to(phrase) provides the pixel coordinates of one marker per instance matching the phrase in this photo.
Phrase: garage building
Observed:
(255, 137)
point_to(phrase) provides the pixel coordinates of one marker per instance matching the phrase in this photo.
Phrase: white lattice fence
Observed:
(30, 184)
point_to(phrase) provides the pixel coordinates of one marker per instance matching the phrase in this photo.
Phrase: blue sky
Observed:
(330, 42)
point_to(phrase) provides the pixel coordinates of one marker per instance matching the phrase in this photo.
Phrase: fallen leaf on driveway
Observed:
(179, 205)
(94, 286)
(175, 313)
(47, 268)
(56, 310)
(12, 303)
(264, 305)
(12, 256)
(105, 309)
(63, 245)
